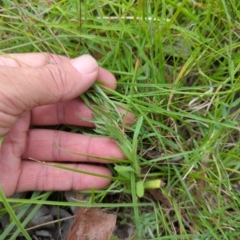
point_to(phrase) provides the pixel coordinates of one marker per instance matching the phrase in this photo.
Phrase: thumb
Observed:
(22, 89)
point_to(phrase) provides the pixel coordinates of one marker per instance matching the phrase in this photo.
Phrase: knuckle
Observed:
(60, 113)
(44, 180)
(90, 148)
(50, 58)
(58, 76)
(58, 142)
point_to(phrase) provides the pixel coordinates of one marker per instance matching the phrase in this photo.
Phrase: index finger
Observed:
(42, 59)
(31, 59)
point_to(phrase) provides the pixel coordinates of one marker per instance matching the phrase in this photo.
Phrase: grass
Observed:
(177, 65)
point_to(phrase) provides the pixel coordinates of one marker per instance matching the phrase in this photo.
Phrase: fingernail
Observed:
(85, 64)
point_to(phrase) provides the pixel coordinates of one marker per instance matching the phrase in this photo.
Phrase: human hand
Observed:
(42, 89)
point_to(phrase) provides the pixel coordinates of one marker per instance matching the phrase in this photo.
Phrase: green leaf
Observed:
(135, 145)
(154, 184)
(140, 189)
(124, 171)
(13, 216)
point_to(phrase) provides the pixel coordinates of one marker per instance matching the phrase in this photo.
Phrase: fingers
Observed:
(41, 177)
(24, 88)
(41, 145)
(73, 112)
(32, 87)
(31, 59)
(37, 60)
(106, 78)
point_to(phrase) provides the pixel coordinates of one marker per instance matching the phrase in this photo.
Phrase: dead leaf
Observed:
(159, 196)
(92, 224)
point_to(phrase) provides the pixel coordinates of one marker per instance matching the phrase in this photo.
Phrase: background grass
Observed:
(177, 65)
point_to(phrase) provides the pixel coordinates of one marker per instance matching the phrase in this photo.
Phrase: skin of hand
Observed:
(41, 90)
